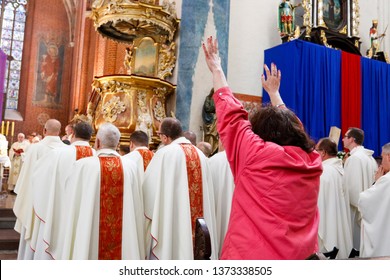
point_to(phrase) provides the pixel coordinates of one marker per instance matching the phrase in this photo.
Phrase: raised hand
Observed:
(214, 63)
(271, 83)
(211, 53)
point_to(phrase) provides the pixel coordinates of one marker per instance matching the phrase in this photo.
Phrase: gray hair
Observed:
(386, 148)
(109, 135)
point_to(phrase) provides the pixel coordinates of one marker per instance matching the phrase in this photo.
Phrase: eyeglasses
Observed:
(346, 136)
(160, 133)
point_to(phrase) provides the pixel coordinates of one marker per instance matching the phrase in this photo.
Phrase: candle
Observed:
(7, 129)
(12, 129)
(2, 127)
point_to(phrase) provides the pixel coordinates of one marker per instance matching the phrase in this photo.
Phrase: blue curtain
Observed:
(375, 104)
(311, 84)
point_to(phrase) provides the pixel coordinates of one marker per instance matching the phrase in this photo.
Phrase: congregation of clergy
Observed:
(269, 193)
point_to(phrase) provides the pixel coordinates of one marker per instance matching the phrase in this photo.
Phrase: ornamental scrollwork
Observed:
(167, 60)
(159, 111)
(112, 109)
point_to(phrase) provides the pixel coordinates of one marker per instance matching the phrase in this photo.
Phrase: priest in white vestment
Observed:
(359, 172)
(105, 209)
(374, 206)
(23, 207)
(334, 229)
(175, 194)
(16, 156)
(50, 200)
(139, 151)
(223, 183)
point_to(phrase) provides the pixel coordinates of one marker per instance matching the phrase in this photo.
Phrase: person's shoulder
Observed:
(129, 165)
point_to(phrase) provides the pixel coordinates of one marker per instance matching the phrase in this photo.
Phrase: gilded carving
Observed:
(144, 120)
(126, 20)
(128, 58)
(159, 111)
(112, 109)
(344, 30)
(167, 60)
(355, 18)
(324, 39)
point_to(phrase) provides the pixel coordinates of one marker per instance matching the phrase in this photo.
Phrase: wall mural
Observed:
(49, 74)
(192, 30)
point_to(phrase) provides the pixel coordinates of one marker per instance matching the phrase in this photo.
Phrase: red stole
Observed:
(195, 189)
(83, 151)
(111, 208)
(147, 156)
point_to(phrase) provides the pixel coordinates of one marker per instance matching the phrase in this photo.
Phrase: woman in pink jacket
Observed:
(276, 172)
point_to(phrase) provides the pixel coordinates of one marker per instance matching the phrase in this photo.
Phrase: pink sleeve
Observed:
(235, 129)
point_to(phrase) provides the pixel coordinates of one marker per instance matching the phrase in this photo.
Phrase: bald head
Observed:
(205, 147)
(190, 136)
(52, 127)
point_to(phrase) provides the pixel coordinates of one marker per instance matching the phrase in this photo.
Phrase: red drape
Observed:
(351, 93)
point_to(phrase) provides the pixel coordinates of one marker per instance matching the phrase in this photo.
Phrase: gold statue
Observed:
(128, 58)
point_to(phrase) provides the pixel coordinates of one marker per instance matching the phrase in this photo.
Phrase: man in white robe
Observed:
(223, 183)
(16, 155)
(23, 207)
(359, 172)
(139, 151)
(167, 197)
(374, 206)
(4, 159)
(106, 182)
(334, 229)
(50, 200)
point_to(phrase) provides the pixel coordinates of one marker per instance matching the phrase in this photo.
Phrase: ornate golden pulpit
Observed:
(138, 99)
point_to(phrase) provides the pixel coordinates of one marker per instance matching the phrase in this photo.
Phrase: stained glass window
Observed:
(12, 23)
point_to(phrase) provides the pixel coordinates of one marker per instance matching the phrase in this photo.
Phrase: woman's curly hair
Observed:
(281, 126)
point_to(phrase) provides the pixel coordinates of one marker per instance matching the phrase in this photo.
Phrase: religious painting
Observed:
(145, 58)
(333, 13)
(49, 74)
(251, 103)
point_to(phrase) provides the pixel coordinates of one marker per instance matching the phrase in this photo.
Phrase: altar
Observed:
(328, 87)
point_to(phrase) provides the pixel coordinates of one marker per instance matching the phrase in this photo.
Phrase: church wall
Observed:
(200, 19)
(244, 28)
(253, 29)
(48, 29)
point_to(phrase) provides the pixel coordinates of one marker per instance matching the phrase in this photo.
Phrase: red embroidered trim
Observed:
(83, 151)
(194, 173)
(111, 208)
(147, 156)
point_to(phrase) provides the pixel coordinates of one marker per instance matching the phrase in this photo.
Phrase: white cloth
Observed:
(167, 206)
(374, 206)
(359, 174)
(16, 162)
(138, 160)
(23, 207)
(334, 229)
(223, 183)
(50, 201)
(82, 225)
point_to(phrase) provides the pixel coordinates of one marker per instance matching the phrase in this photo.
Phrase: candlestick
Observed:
(7, 128)
(12, 129)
